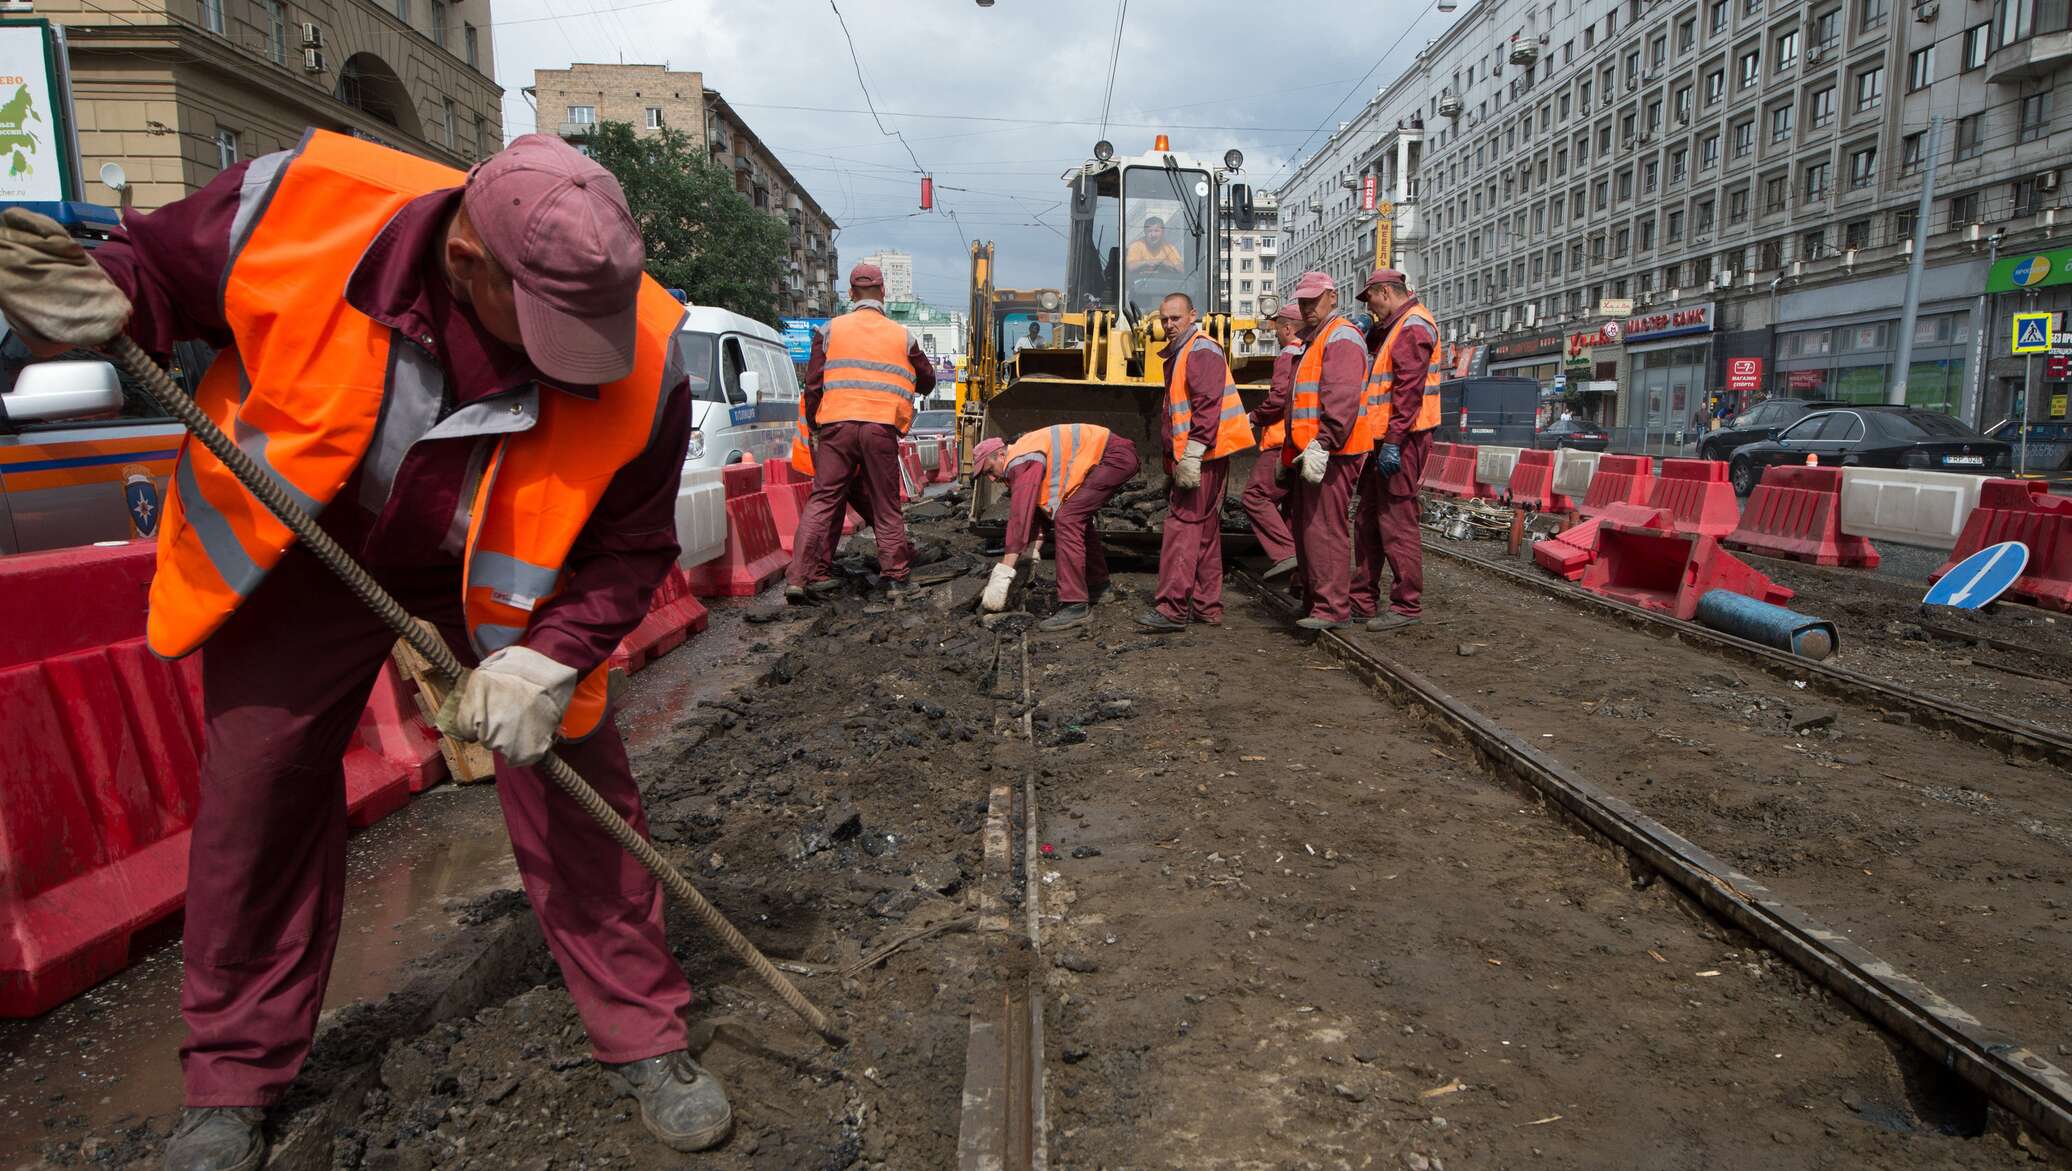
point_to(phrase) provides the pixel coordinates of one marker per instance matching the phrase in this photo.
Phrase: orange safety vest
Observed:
(801, 445)
(1233, 433)
(314, 390)
(1306, 405)
(869, 378)
(1381, 384)
(1069, 452)
(1275, 434)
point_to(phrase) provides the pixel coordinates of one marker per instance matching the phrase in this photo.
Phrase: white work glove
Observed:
(995, 598)
(1187, 473)
(512, 703)
(1313, 461)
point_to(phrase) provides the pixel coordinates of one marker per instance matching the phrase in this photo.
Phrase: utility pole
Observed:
(1903, 360)
(2028, 396)
(1981, 326)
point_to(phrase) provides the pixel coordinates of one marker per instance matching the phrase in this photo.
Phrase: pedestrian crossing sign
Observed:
(2032, 333)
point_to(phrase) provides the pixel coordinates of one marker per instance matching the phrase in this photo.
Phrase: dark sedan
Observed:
(930, 423)
(1873, 437)
(1765, 420)
(1571, 433)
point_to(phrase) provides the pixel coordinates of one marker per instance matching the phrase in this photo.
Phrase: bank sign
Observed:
(2029, 272)
(1669, 323)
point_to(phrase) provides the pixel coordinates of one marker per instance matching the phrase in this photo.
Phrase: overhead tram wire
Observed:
(1122, 11)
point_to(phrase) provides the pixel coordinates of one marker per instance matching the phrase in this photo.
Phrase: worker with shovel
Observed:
(1064, 473)
(472, 381)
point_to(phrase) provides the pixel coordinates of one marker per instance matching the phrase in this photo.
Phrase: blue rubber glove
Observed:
(1389, 460)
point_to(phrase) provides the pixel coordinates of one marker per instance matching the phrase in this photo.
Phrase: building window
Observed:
(1770, 254)
(1787, 51)
(451, 117)
(1679, 164)
(277, 31)
(1920, 68)
(1625, 185)
(1903, 224)
(1813, 244)
(1964, 209)
(482, 148)
(2035, 116)
(1719, 16)
(1686, 36)
(1751, 68)
(1856, 234)
(1623, 243)
(1708, 152)
(1977, 43)
(1827, 28)
(1970, 136)
(1872, 14)
(1647, 235)
(582, 115)
(1601, 198)
(1870, 89)
(212, 15)
(654, 117)
(1820, 108)
(1780, 124)
(1737, 206)
(1715, 86)
(470, 40)
(1674, 233)
(1863, 167)
(1244, 286)
(403, 11)
(2027, 199)
(1776, 193)
(1703, 225)
(1816, 182)
(440, 17)
(1650, 173)
(1245, 265)
(1744, 137)
(226, 148)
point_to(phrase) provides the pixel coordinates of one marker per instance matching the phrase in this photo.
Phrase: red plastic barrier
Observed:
(1532, 483)
(779, 471)
(1670, 571)
(1697, 494)
(1619, 479)
(1571, 551)
(946, 465)
(2025, 511)
(394, 729)
(1796, 512)
(912, 480)
(787, 502)
(674, 615)
(1455, 471)
(755, 556)
(1429, 480)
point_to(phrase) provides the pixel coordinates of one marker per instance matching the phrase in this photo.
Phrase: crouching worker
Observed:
(1061, 474)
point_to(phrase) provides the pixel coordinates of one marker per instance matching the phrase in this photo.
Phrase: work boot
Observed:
(1284, 566)
(1313, 622)
(1158, 623)
(1390, 621)
(795, 595)
(217, 1138)
(1069, 615)
(680, 1103)
(824, 587)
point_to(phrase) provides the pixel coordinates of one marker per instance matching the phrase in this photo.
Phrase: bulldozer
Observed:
(1143, 226)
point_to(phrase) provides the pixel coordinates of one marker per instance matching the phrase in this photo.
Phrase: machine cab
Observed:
(1142, 227)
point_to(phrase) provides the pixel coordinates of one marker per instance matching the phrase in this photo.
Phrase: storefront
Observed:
(1537, 358)
(1591, 361)
(1839, 341)
(2035, 283)
(1669, 365)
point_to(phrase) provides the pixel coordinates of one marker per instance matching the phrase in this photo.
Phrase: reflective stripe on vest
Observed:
(1379, 404)
(867, 375)
(1306, 401)
(1068, 451)
(314, 392)
(1275, 434)
(1233, 432)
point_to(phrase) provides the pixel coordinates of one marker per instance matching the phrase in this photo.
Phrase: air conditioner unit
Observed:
(312, 61)
(1906, 246)
(1451, 106)
(1798, 268)
(1816, 54)
(1748, 281)
(1974, 232)
(1582, 107)
(1927, 12)
(1645, 138)
(312, 35)
(1849, 258)
(1724, 279)
(2046, 180)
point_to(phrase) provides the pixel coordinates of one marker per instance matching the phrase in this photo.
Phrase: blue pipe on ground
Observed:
(1774, 626)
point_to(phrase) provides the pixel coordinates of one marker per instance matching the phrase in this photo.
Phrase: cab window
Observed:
(733, 364)
(694, 350)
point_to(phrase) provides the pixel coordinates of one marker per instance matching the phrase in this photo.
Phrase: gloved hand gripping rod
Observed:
(435, 651)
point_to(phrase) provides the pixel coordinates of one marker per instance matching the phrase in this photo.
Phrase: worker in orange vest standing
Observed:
(1205, 426)
(1402, 409)
(471, 382)
(1266, 496)
(861, 380)
(1065, 474)
(1328, 441)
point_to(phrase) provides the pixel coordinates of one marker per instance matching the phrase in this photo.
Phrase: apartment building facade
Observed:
(898, 268)
(1746, 173)
(645, 97)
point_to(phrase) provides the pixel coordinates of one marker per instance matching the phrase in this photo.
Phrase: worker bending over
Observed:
(1402, 410)
(1328, 441)
(1061, 474)
(1205, 426)
(861, 379)
(472, 383)
(1266, 496)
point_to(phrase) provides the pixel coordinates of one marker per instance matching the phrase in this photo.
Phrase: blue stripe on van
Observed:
(88, 461)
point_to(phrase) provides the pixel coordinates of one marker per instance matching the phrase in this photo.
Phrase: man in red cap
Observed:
(1403, 408)
(472, 383)
(1328, 441)
(1063, 475)
(861, 380)
(1205, 426)
(1266, 496)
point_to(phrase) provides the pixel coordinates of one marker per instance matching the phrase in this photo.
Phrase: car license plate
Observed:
(1969, 460)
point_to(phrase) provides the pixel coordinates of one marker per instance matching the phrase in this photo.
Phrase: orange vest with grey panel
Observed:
(313, 390)
(868, 377)
(1381, 384)
(1233, 432)
(1275, 434)
(1069, 451)
(1306, 404)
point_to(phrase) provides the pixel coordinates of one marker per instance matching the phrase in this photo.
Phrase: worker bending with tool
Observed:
(472, 382)
(1205, 426)
(1062, 475)
(1402, 409)
(861, 379)
(1328, 441)
(1266, 497)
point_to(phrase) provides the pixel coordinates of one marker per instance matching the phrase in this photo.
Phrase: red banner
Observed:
(1367, 193)
(1744, 373)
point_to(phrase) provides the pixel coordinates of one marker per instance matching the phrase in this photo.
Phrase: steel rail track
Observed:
(2007, 1074)
(2016, 737)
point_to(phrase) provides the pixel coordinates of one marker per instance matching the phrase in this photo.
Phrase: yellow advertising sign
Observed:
(1385, 236)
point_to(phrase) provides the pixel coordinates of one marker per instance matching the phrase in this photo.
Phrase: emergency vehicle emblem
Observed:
(140, 492)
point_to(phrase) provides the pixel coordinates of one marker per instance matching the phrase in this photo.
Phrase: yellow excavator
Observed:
(1143, 226)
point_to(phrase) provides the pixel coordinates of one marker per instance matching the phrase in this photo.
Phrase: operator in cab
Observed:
(1062, 476)
(1205, 426)
(1328, 441)
(1265, 498)
(1402, 411)
(1152, 255)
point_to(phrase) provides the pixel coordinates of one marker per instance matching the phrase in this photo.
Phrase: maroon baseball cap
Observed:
(866, 274)
(558, 223)
(1313, 284)
(1291, 312)
(1385, 276)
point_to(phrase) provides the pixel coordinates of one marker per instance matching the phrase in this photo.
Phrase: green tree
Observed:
(701, 235)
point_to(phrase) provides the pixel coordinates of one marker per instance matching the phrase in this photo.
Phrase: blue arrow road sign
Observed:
(1981, 577)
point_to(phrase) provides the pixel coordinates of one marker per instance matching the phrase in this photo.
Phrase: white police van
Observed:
(744, 390)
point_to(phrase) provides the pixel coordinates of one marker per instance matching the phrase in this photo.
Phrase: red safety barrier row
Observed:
(1796, 512)
(1669, 571)
(1427, 481)
(396, 731)
(674, 615)
(1453, 473)
(912, 479)
(1532, 483)
(2025, 511)
(946, 466)
(1697, 494)
(1619, 479)
(755, 556)
(787, 502)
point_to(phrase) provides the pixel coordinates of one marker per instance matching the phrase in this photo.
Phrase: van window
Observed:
(694, 350)
(732, 365)
(774, 364)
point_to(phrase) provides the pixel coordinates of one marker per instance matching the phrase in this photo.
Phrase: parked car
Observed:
(1488, 410)
(933, 424)
(1875, 437)
(1765, 420)
(2050, 443)
(1573, 433)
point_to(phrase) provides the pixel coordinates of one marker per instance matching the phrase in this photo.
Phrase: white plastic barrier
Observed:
(931, 453)
(1572, 472)
(1912, 508)
(701, 516)
(1493, 465)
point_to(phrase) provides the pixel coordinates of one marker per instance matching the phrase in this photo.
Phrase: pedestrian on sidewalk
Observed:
(861, 381)
(1402, 408)
(1057, 477)
(472, 383)
(1328, 442)
(1266, 497)
(1205, 426)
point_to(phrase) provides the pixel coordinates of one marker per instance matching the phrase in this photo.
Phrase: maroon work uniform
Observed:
(285, 678)
(1266, 496)
(1386, 527)
(1190, 553)
(1323, 540)
(849, 458)
(1075, 540)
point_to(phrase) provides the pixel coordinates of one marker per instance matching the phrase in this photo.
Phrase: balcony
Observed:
(577, 129)
(2034, 56)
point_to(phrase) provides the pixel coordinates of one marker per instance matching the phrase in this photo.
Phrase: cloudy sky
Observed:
(996, 103)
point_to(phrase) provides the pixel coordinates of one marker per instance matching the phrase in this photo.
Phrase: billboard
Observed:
(798, 337)
(35, 138)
